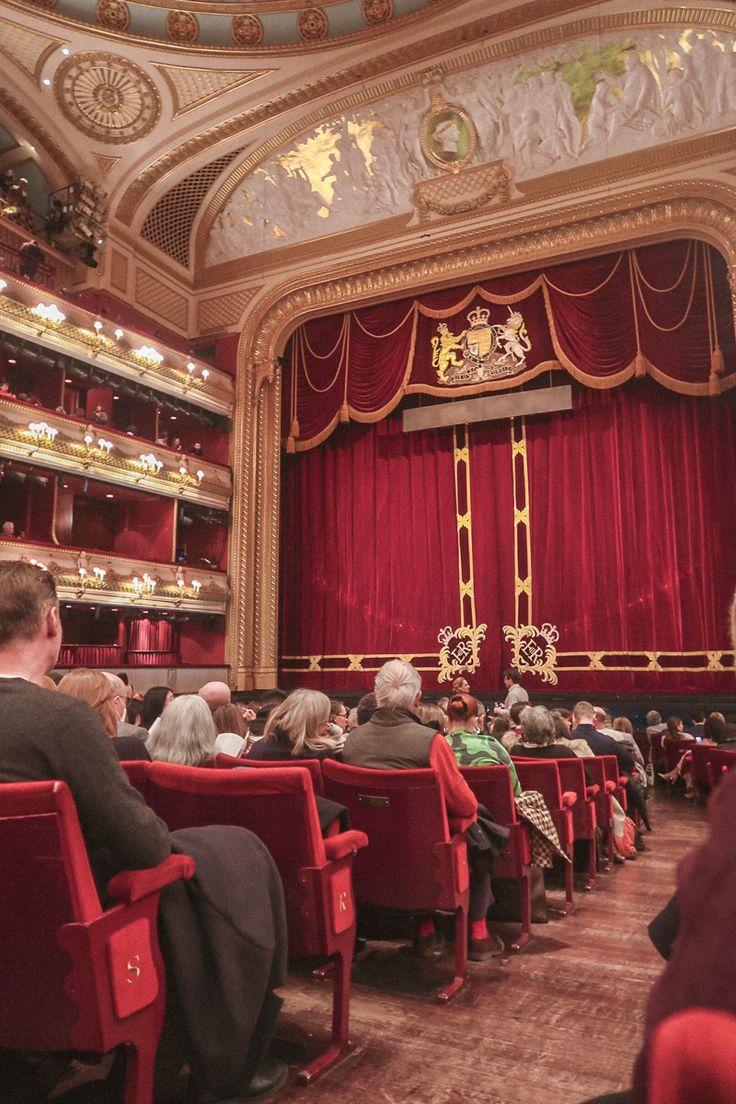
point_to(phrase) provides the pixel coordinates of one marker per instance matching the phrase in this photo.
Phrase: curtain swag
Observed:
(662, 310)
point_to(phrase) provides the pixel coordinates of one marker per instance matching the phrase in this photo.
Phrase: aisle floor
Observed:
(557, 1023)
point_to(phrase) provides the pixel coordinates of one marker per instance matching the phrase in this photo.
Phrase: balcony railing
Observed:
(99, 578)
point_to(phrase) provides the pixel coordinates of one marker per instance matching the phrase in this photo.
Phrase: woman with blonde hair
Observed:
(185, 733)
(299, 728)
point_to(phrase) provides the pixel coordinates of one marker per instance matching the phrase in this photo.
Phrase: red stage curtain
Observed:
(152, 643)
(662, 310)
(630, 504)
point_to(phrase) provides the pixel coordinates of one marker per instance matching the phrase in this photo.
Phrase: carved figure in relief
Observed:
(385, 173)
(476, 96)
(641, 105)
(602, 113)
(444, 351)
(681, 101)
(401, 115)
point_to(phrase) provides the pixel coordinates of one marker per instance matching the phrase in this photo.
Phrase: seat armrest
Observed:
(592, 791)
(611, 787)
(337, 847)
(132, 885)
(622, 780)
(568, 799)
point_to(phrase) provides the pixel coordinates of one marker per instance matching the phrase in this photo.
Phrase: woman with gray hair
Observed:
(185, 733)
(538, 736)
(299, 728)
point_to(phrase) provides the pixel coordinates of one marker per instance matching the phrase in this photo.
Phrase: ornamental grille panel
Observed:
(168, 224)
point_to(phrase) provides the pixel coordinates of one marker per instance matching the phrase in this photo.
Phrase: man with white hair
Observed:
(395, 739)
(215, 694)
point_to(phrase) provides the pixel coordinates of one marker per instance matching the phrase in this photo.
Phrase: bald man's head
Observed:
(215, 694)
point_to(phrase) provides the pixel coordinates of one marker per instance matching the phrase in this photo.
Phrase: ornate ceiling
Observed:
(240, 144)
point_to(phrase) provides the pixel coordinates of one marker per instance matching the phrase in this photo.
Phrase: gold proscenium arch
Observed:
(694, 208)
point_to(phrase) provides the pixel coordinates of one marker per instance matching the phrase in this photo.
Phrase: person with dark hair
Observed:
(155, 701)
(516, 694)
(366, 707)
(31, 256)
(48, 735)
(469, 746)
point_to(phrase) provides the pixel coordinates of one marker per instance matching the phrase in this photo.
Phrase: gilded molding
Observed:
(193, 86)
(41, 137)
(26, 48)
(218, 312)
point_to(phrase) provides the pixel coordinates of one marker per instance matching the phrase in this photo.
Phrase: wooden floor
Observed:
(555, 1024)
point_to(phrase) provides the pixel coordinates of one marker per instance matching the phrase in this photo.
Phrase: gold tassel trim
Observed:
(344, 413)
(294, 428)
(717, 363)
(290, 443)
(640, 365)
(714, 384)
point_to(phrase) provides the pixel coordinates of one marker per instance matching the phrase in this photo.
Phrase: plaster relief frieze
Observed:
(542, 113)
(27, 49)
(191, 87)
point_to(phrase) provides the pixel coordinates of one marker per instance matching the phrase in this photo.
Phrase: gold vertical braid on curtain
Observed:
(655, 325)
(333, 381)
(457, 456)
(522, 528)
(477, 292)
(717, 364)
(385, 410)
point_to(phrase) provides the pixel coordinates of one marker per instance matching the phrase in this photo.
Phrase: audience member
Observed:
(366, 707)
(129, 742)
(460, 685)
(31, 256)
(50, 735)
(563, 736)
(232, 730)
(539, 736)
(94, 689)
(601, 744)
(8, 530)
(513, 736)
(184, 733)
(516, 693)
(215, 693)
(155, 701)
(430, 714)
(395, 739)
(469, 745)
(338, 720)
(99, 415)
(298, 728)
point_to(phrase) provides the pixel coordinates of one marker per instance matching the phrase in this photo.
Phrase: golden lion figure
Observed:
(444, 346)
(512, 336)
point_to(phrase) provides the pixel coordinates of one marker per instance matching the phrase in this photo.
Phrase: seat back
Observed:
(596, 768)
(403, 814)
(277, 806)
(541, 775)
(572, 780)
(314, 767)
(699, 771)
(45, 883)
(693, 1059)
(613, 774)
(673, 750)
(721, 761)
(492, 786)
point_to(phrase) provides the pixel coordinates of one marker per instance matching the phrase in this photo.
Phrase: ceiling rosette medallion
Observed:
(376, 12)
(246, 30)
(312, 24)
(182, 26)
(113, 15)
(107, 97)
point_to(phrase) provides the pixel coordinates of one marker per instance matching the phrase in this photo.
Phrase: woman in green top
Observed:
(470, 746)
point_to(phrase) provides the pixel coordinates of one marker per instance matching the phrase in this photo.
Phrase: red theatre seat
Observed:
(572, 779)
(613, 774)
(693, 1059)
(492, 787)
(278, 807)
(596, 768)
(314, 766)
(720, 762)
(673, 750)
(542, 775)
(75, 976)
(412, 863)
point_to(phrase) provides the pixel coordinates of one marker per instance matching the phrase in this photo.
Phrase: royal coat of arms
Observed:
(483, 351)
